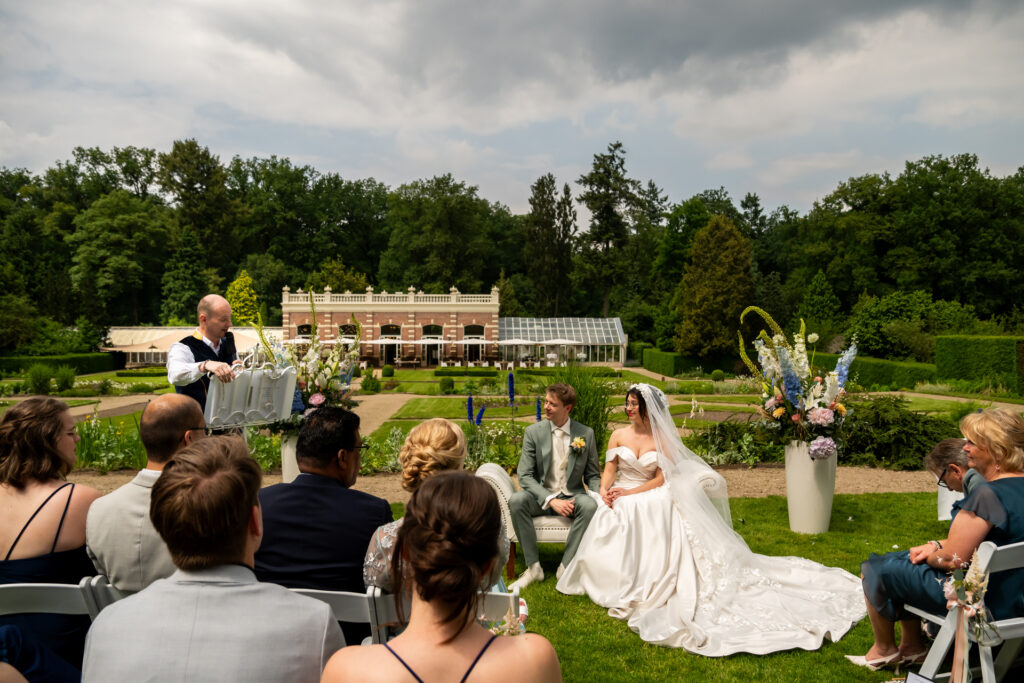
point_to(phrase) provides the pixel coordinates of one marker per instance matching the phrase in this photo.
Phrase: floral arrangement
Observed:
(577, 445)
(966, 589)
(323, 371)
(799, 405)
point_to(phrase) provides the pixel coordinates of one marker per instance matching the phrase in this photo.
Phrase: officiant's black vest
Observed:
(201, 352)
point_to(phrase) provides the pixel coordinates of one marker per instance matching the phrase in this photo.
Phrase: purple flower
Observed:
(480, 416)
(822, 417)
(821, 448)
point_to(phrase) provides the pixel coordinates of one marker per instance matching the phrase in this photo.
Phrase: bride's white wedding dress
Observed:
(666, 561)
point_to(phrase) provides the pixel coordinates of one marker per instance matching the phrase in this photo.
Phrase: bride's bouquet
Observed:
(799, 405)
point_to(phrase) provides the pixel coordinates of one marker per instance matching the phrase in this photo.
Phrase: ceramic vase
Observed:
(810, 485)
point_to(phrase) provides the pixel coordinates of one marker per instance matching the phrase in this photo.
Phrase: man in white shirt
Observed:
(210, 349)
(119, 535)
(559, 455)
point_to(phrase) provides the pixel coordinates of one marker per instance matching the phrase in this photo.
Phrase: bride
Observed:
(660, 554)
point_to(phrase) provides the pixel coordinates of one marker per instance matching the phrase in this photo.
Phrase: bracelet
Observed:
(938, 546)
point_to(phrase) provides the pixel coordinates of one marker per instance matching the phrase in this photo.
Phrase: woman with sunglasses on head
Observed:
(993, 511)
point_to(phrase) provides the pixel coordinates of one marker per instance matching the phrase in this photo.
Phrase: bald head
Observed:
(165, 423)
(214, 317)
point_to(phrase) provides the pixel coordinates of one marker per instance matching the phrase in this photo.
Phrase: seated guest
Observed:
(991, 512)
(119, 536)
(446, 547)
(432, 446)
(317, 527)
(42, 518)
(948, 462)
(211, 620)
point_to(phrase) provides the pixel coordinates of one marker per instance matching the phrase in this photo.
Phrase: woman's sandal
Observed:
(876, 664)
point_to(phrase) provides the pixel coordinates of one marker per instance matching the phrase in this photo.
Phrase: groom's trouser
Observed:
(524, 507)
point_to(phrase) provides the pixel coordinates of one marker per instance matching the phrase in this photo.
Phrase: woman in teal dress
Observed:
(992, 512)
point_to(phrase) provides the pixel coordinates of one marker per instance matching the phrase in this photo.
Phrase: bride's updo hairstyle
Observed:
(447, 544)
(431, 447)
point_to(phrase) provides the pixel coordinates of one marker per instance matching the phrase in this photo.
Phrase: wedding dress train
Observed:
(667, 562)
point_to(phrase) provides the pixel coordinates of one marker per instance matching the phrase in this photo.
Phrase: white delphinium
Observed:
(799, 357)
(831, 388)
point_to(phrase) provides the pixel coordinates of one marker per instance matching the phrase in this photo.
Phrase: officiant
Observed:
(210, 350)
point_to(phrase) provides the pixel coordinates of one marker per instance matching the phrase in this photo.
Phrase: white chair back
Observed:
(492, 607)
(103, 593)
(355, 608)
(47, 598)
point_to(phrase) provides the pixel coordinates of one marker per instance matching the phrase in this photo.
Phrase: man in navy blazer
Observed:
(316, 528)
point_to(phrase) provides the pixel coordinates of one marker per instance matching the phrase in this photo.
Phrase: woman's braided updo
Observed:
(431, 447)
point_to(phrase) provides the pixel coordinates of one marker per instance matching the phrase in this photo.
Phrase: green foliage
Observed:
(717, 376)
(819, 303)
(242, 297)
(370, 384)
(636, 349)
(387, 371)
(110, 444)
(335, 275)
(883, 432)
(497, 441)
(142, 372)
(736, 442)
(382, 455)
(65, 377)
(465, 372)
(19, 321)
(878, 374)
(547, 249)
(183, 283)
(265, 449)
(717, 284)
(447, 385)
(664, 363)
(83, 363)
(998, 359)
(38, 379)
(592, 396)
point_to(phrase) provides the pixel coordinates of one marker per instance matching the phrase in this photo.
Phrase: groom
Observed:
(559, 455)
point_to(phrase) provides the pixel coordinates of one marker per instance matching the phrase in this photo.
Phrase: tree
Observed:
(438, 237)
(673, 251)
(541, 245)
(118, 258)
(819, 303)
(243, 301)
(183, 283)
(351, 221)
(196, 181)
(335, 275)
(269, 276)
(717, 286)
(610, 196)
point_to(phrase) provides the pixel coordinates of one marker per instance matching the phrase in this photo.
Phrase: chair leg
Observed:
(510, 566)
(940, 646)
(1006, 657)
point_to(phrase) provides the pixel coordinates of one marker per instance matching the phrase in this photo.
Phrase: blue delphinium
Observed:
(511, 389)
(790, 380)
(843, 365)
(480, 416)
(469, 407)
(538, 409)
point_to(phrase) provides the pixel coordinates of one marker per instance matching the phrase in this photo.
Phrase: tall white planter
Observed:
(289, 466)
(946, 498)
(810, 485)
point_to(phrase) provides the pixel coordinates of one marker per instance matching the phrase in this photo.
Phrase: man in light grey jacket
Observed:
(119, 537)
(211, 620)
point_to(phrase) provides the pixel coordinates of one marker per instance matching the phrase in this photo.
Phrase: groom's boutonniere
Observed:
(577, 445)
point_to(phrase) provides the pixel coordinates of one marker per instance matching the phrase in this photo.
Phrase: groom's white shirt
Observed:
(555, 479)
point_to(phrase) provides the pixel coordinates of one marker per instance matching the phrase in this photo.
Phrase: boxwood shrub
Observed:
(976, 357)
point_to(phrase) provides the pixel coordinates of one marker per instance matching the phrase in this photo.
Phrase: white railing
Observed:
(370, 297)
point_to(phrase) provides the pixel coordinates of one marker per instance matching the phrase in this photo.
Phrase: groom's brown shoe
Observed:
(533, 573)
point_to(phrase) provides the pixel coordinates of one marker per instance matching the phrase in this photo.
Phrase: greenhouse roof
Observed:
(587, 331)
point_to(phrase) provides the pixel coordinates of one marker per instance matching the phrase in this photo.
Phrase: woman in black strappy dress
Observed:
(42, 523)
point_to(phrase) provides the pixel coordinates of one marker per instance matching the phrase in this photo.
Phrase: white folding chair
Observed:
(47, 598)
(991, 559)
(492, 607)
(353, 608)
(102, 592)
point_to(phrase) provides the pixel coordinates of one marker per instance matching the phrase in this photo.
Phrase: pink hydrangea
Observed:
(821, 448)
(822, 417)
(316, 399)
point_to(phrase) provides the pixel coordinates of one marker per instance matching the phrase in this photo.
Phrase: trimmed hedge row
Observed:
(465, 372)
(869, 372)
(671, 364)
(598, 371)
(976, 357)
(83, 363)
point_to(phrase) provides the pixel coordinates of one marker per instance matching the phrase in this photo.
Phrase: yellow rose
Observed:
(841, 409)
(778, 412)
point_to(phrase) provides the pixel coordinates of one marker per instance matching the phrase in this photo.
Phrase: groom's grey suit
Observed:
(534, 464)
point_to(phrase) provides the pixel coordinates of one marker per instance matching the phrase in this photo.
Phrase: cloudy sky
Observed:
(784, 98)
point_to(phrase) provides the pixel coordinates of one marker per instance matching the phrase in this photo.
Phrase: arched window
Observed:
(432, 330)
(473, 331)
(346, 330)
(390, 330)
(304, 330)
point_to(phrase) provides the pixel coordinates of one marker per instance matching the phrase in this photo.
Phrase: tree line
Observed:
(136, 236)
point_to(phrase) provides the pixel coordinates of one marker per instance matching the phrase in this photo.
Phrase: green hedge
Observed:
(636, 349)
(83, 363)
(596, 371)
(465, 372)
(970, 357)
(876, 372)
(664, 362)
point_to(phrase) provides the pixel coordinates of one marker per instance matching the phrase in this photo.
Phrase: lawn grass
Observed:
(750, 399)
(594, 647)
(454, 408)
